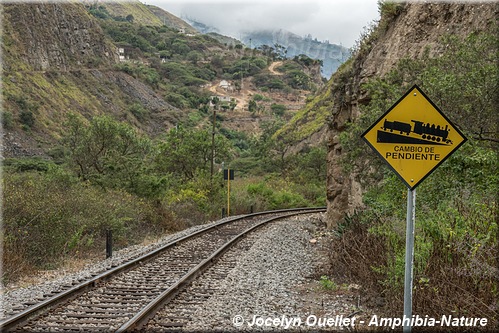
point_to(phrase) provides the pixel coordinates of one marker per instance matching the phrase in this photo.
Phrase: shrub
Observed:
(327, 284)
(278, 109)
(42, 230)
(7, 120)
(28, 164)
(138, 111)
(271, 198)
(27, 118)
(258, 97)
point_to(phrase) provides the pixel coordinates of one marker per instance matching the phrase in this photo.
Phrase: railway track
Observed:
(127, 296)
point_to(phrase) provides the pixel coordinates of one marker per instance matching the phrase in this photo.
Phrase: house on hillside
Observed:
(127, 52)
(225, 98)
(226, 85)
(224, 102)
(121, 53)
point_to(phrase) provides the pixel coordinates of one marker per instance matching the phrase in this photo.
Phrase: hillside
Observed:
(47, 74)
(404, 32)
(308, 127)
(135, 10)
(79, 69)
(289, 45)
(110, 123)
(171, 20)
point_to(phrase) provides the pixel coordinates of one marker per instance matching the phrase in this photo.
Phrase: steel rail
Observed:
(23, 316)
(149, 310)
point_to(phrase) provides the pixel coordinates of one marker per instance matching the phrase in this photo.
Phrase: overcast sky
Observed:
(339, 21)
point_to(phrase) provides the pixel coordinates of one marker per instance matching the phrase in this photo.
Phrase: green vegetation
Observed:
(50, 214)
(456, 211)
(328, 284)
(189, 62)
(388, 10)
(310, 119)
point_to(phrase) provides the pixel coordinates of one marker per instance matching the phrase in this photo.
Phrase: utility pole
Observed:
(213, 147)
(241, 75)
(228, 191)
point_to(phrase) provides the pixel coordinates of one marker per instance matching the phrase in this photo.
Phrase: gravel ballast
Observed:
(273, 285)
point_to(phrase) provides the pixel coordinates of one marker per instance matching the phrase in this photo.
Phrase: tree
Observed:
(217, 62)
(215, 101)
(315, 162)
(194, 56)
(185, 153)
(270, 151)
(105, 151)
(297, 79)
(281, 51)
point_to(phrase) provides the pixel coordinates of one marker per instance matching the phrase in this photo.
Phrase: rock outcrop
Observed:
(58, 36)
(407, 33)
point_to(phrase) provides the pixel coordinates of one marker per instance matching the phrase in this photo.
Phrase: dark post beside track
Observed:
(109, 244)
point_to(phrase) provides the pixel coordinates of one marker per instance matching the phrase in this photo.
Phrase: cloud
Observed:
(339, 21)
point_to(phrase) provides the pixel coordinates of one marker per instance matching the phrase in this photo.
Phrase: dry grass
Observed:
(450, 284)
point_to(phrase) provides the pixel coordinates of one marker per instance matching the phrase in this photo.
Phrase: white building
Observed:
(225, 85)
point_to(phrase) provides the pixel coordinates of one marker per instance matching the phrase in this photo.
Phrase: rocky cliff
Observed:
(406, 31)
(53, 36)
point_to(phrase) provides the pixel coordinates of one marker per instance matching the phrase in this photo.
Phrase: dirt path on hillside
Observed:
(213, 87)
(273, 66)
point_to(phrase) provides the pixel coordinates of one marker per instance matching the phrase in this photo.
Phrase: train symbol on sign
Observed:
(421, 133)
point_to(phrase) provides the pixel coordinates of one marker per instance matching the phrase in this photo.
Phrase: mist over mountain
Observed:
(332, 55)
(291, 44)
(199, 26)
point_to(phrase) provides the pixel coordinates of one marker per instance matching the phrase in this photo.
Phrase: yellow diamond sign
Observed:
(414, 137)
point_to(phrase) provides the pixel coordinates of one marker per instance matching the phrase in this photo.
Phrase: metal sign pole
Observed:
(409, 258)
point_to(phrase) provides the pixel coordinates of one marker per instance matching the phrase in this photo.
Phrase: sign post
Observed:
(413, 137)
(409, 257)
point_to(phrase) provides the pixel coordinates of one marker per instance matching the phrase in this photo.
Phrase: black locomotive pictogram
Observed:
(422, 133)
